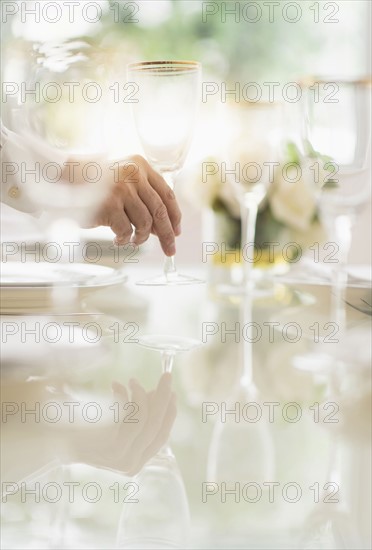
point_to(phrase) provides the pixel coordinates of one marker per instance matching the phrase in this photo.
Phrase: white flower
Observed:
(199, 193)
(293, 199)
(202, 188)
(316, 171)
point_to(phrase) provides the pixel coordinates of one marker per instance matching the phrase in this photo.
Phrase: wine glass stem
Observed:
(167, 359)
(61, 521)
(342, 225)
(170, 266)
(249, 217)
(247, 346)
(170, 269)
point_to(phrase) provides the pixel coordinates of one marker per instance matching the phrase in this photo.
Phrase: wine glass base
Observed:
(316, 363)
(172, 279)
(168, 343)
(257, 291)
(148, 543)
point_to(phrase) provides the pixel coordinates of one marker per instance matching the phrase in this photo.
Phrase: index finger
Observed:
(158, 404)
(168, 197)
(129, 430)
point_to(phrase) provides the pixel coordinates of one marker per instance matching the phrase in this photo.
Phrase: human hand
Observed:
(127, 446)
(141, 198)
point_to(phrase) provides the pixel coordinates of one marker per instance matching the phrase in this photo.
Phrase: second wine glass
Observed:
(337, 137)
(254, 149)
(242, 447)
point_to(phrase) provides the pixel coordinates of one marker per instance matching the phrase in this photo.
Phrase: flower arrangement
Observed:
(288, 214)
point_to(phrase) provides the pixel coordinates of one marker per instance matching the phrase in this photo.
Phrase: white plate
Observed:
(42, 287)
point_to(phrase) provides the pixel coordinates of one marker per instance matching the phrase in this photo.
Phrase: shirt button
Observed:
(14, 192)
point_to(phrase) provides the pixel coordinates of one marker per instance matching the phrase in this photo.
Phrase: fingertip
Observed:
(134, 384)
(165, 381)
(116, 386)
(119, 391)
(167, 377)
(120, 242)
(178, 230)
(170, 250)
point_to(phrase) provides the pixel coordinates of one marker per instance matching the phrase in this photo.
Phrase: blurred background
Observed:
(327, 39)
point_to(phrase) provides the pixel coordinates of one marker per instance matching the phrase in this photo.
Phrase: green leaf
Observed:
(330, 184)
(293, 154)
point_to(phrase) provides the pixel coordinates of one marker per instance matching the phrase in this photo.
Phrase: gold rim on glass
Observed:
(309, 81)
(164, 66)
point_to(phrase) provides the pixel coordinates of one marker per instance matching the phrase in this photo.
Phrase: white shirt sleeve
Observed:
(34, 178)
(12, 188)
(22, 159)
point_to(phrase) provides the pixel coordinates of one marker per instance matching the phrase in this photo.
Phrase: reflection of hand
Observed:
(142, 198)
(127, 446)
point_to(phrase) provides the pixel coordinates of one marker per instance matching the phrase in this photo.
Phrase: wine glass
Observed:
(58, 127)
(45, 130)
(337, 136)
(165, 114)
(241, 449)
(161, 517)
(343, 521)
(254, 149)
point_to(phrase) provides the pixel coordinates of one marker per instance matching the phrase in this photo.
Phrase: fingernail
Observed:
(178, 230)
(118, 242)
(172, 249)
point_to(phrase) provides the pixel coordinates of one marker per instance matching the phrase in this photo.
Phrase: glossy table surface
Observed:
(318, 418)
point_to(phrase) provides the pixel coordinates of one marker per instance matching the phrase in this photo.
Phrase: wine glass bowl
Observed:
(165, 109)
(160, 518)
(70, 80)
(337, 131)
(255, 145)
(58, 126)
(243, 450)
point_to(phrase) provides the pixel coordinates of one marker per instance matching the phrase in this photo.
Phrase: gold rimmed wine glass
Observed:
(165, 108)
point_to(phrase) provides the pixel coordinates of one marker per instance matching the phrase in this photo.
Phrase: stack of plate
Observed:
(47, 287)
